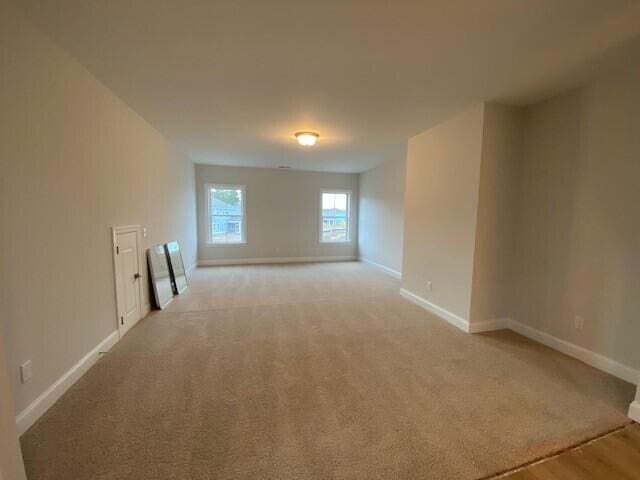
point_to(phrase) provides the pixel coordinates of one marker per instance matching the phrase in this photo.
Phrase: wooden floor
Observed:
(615, 456)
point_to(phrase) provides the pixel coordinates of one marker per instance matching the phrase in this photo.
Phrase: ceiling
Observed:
(230, 82)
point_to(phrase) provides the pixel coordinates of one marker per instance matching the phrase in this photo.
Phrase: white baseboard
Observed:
(452, 318)
(634, 411)
(190, 269)
(40, 405)
(382, 268)
(259, 261)
(489, 325)
(589, 357)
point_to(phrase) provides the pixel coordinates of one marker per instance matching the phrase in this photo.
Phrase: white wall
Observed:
(579, 222)
(381, 220)
(461, 209)
(283, 213)
(75, 161)
(441, 201)
(498, 195)
(557, 231)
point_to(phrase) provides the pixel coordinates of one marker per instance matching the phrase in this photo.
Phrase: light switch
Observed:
(25, 371)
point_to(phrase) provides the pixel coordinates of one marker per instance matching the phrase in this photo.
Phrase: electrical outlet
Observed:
(144, 232)
(429, 286)
(25, 371)
(578, 322)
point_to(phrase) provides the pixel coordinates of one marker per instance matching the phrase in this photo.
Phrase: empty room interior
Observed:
(346, 239)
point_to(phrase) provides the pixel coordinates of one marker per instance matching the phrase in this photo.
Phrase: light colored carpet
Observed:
(318, 371)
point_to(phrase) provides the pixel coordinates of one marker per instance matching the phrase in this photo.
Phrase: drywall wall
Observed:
(557, 230)
(75, 161)
(498, 196)
(381, 219)
(11, 466)
(578, 238)
(283, 213)
(441, 200)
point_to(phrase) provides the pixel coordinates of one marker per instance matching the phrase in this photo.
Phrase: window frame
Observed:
(349, 217)
(207, 197)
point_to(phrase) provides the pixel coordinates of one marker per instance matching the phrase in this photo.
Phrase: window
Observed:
(335, 216)
(226, 213)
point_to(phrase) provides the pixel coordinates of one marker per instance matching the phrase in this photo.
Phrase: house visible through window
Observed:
(335, 216)
(226, 213)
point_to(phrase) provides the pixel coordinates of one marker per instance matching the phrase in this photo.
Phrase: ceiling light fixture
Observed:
(307, 139)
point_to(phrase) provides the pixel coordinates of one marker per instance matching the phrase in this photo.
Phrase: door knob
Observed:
(136, 276)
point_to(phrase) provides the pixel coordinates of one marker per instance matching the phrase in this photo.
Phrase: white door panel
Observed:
(127, 279)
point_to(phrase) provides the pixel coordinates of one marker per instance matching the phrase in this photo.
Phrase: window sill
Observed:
(226, 244)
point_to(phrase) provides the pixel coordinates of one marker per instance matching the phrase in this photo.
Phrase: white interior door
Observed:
(127, 279)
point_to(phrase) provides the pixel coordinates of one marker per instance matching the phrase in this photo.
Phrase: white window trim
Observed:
(243, 188)
(349, 217)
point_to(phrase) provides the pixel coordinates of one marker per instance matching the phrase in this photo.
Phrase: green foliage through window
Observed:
(230, 196)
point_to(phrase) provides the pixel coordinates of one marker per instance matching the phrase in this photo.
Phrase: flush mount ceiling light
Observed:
(307, 139)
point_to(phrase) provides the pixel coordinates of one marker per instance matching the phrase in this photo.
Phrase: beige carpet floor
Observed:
(318, 371)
